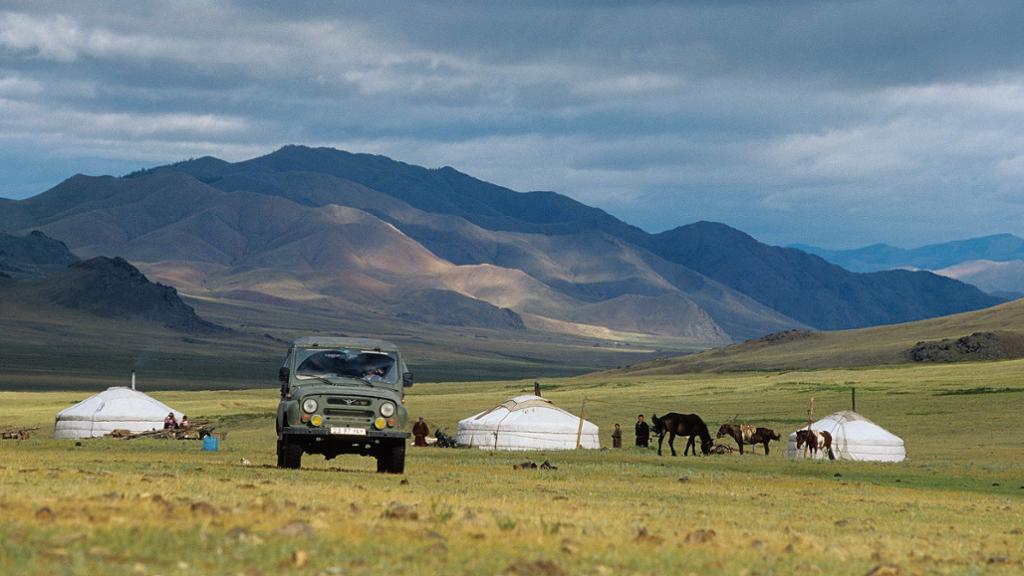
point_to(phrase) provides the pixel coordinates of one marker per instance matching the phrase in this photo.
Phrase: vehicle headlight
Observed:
(387, 409)
(309, 405)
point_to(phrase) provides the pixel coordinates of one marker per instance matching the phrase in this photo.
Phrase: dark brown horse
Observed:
(747, 434)
(682, 425)
(815, 440)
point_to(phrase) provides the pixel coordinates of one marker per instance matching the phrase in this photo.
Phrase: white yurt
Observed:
(117, 408)
(526, 423)
(854, 437)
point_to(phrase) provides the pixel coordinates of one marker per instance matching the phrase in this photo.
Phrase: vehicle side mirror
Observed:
(283, 373)
(407, 379)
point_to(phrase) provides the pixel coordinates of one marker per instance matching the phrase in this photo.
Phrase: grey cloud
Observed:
(825, 122)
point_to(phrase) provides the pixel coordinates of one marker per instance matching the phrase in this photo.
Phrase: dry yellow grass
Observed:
(162, 507)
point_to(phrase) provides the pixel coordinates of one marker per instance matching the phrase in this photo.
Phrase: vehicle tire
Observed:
(289, 455)
(391, 458)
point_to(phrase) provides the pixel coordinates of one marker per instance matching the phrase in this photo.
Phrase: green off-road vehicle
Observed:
(343, 396)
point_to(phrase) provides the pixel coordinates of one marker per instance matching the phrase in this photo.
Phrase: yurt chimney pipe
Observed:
(853, 399)
(133, 379)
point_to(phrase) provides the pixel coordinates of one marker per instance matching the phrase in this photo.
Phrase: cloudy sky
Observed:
(832, 123)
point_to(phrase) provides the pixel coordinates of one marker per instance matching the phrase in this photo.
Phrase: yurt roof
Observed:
(118, 403)
(521, 403)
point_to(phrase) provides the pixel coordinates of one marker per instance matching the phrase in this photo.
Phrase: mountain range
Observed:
(997, 247)
(355, 234)
(993, 263)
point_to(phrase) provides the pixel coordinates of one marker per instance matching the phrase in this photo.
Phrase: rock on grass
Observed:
(204, 508)
(299, 559)
(397, 511)
(535, 568)
(700, 536)
(643, 535)
(297, 529)
(45, 514)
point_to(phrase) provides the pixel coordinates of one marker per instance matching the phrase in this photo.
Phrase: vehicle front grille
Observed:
(348, 401)
(348, 413)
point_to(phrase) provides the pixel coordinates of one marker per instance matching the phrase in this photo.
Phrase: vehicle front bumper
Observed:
(325, 432)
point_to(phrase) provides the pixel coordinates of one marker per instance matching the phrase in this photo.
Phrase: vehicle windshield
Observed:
(370, 365)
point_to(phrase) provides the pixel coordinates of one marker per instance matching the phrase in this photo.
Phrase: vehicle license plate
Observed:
(348, 431)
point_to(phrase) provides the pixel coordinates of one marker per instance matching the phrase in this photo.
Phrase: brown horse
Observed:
(747, 434)
(815, 440)
(682, 425)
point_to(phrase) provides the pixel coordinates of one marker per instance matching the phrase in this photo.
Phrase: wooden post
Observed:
(579, 430)
(810, 412)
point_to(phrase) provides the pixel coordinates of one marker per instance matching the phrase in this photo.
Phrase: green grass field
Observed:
(164, 507)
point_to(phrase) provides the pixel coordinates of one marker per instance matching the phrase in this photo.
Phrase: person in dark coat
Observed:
(617, 436)
(420, 430)
(643, 432)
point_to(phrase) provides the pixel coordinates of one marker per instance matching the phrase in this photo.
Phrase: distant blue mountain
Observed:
(998, 247)
(810, 289)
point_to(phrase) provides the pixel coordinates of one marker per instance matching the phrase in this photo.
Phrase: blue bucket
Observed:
(210, 443)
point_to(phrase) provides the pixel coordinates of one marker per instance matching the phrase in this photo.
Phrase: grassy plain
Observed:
(162, 507)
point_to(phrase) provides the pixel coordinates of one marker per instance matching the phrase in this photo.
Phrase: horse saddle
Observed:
(747, 431)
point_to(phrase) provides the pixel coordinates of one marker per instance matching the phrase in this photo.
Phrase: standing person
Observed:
(643, 432)
(617, 436)
(420, 431)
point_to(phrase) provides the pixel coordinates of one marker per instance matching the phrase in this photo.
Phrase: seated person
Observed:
(170, 421)
(184, 422)
(375, 375)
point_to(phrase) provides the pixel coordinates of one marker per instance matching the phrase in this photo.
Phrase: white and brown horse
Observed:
(815, 440)
(748, 434)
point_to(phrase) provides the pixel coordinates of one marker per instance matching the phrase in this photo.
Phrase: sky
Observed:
(837, 124)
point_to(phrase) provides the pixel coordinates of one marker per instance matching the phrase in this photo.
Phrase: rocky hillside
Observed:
(976, 346)
(447, 308)
(34, 255)
(110, 288)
